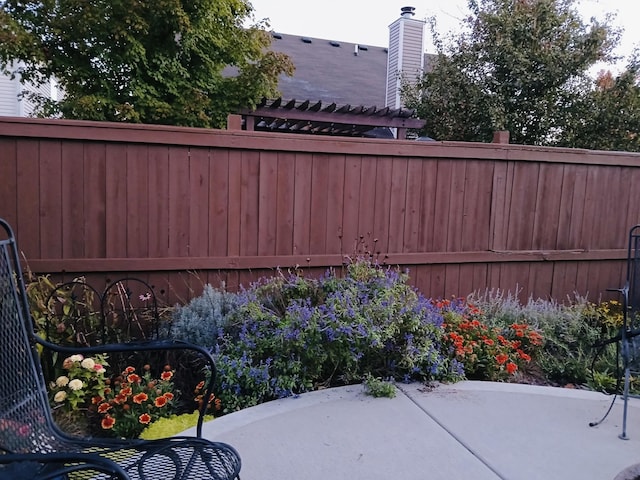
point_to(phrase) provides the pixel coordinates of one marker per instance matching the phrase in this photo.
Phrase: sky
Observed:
(367, 21)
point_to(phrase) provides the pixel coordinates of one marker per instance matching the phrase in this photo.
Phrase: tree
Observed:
(519, 65)
(140, 61)
(608, 118)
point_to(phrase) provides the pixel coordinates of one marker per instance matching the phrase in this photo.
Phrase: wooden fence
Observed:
(162, 203)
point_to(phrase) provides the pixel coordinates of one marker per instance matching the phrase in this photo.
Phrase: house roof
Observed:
(333, 71)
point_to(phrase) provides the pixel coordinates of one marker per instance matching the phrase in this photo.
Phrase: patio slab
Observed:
(478, 430)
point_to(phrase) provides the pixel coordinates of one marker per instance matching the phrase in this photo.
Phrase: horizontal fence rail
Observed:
(180, 207)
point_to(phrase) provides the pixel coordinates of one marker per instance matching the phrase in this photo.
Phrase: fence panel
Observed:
(182, 207)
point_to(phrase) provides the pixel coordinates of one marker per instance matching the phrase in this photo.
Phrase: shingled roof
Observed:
(333, 71)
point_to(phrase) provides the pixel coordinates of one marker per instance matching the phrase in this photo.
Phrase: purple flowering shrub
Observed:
(291, 334)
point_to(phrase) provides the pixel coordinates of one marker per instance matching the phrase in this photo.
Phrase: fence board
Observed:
(199, 202)
(116, 200)
(28, 197)
(428, 204)
(8, 172)
(366, 212)
(219, 208)
(285, 203)
(412, 227)
(442, 217)
(73, 213)
(335, 203)
(524, 193)
(138, 201)
(351, 208)
(50, 211)
(546, 219)
(456, 219)
(476, 210)
(319, 190)
(302, 208)
(158, 240)
(268, 206)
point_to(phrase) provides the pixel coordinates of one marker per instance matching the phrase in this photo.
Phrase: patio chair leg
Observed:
(627, 375)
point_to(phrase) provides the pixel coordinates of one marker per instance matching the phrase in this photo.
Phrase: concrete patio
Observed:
(468, 430)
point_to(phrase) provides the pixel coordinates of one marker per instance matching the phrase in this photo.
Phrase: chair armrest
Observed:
(55, 465)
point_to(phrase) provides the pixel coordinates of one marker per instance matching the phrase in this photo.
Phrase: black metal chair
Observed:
(630, 330)
(627, 339)
(32, 446)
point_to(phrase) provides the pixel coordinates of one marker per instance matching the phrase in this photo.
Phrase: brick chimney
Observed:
(406, 53)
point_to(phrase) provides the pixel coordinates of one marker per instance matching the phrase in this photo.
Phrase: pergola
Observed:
(315, 118)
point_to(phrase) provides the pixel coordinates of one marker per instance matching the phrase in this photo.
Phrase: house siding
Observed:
(9, 105)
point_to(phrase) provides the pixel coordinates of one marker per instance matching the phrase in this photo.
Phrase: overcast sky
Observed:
(367, 21)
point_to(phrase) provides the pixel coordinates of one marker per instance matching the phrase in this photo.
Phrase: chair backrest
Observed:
(633, 279)
(25, 418)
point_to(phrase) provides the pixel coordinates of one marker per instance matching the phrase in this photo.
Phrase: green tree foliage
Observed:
(518, 65)
(141, 61)
(608, 118)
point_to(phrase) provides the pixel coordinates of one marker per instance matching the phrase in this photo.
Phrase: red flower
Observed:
(200, 385)
(166, 376)
(160, 401)
(502, 358)
(133, 378)
(126, 391)
(96, 400)
(104, 407)
(140, 398)
(511, 368)
(524, 356)
(168, 396)
(145, 418)
(129, 370)
(108, 422)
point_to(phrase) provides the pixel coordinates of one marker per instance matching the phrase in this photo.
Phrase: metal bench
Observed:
(31, 444)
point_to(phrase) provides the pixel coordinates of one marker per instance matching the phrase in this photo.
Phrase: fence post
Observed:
(501, 136)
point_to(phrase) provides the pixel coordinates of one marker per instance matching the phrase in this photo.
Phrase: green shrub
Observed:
(377, 387)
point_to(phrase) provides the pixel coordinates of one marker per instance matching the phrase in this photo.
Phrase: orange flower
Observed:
(104, 407)
(145, 418)
(96, 400)
(166, 376)
(126, 391)
(133, 378)
(160, 401)
(168, 396)
(502, 358)
(108, 422)
(140, 398)
(129, 370)
(200, 385)
(511, 368)
(218, 404)
(524, 356)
